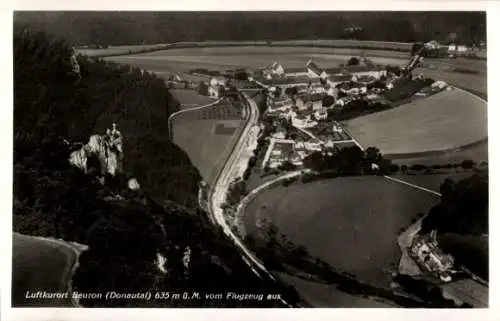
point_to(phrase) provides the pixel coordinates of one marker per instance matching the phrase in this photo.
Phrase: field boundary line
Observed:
(412, 185)
(471, 94)
(186, 110)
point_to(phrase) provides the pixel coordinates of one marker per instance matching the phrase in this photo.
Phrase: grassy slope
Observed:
(330, 217)
(446, 120)
(39, 266)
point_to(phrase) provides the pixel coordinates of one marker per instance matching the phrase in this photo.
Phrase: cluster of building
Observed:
(427, 254)
(453, 49)
(303, 97)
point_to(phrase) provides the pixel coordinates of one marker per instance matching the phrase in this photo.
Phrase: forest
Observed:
(53, 104)
(136, 28)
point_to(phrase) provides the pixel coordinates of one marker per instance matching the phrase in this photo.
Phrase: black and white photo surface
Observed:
(250, 159)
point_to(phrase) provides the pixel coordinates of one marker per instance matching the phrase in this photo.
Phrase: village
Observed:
(307, 104)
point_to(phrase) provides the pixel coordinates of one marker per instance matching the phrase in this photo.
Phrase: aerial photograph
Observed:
(250, 159)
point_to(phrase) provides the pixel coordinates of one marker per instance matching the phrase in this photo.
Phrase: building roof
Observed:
(312, 97)
(313, 67)
(294, 70)
(366, 78)
(284, 147)
(337, 78)
(352, 69)
(289, 80)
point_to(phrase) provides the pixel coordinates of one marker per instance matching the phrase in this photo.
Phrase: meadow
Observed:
(444, 121)
(351, 223)
(52, 263)
(198, 133)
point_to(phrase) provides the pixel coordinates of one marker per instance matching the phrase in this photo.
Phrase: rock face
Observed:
(107, 149)
(74, 64)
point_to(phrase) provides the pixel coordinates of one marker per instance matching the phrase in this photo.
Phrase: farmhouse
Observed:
(215, 91)
(313, 71)
(216, 87)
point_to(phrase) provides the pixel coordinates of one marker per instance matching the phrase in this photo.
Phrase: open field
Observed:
(198, 133)
(190, 98)
(40, 265)
(443, 121)
(213, 58)
(327, 217)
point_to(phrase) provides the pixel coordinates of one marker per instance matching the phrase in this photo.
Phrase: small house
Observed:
(314, 71)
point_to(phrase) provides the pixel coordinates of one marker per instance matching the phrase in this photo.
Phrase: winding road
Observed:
(218, 193)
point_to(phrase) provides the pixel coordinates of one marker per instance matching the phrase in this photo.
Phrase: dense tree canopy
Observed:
(119, 28)
(463, 208)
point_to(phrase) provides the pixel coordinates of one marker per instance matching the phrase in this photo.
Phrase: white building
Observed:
(215, 91)
(439, 84)
(313, 71)
(321, 114)
(311, 146)
(276, 69)
(303, 121)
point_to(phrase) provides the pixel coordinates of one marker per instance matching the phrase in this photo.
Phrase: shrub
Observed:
(418, 167)
(467, 164)
(353, 61)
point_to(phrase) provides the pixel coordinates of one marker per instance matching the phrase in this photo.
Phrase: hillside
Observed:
(52, 103)
(134, 28)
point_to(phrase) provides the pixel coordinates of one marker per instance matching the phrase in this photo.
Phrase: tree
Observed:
(467, 164)
(291, 91)
(373, 155)
(241, 75)
(203, 88)
(353, 61)
(278, 92)
(328, 101)
(451, 38)
(288, 166)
